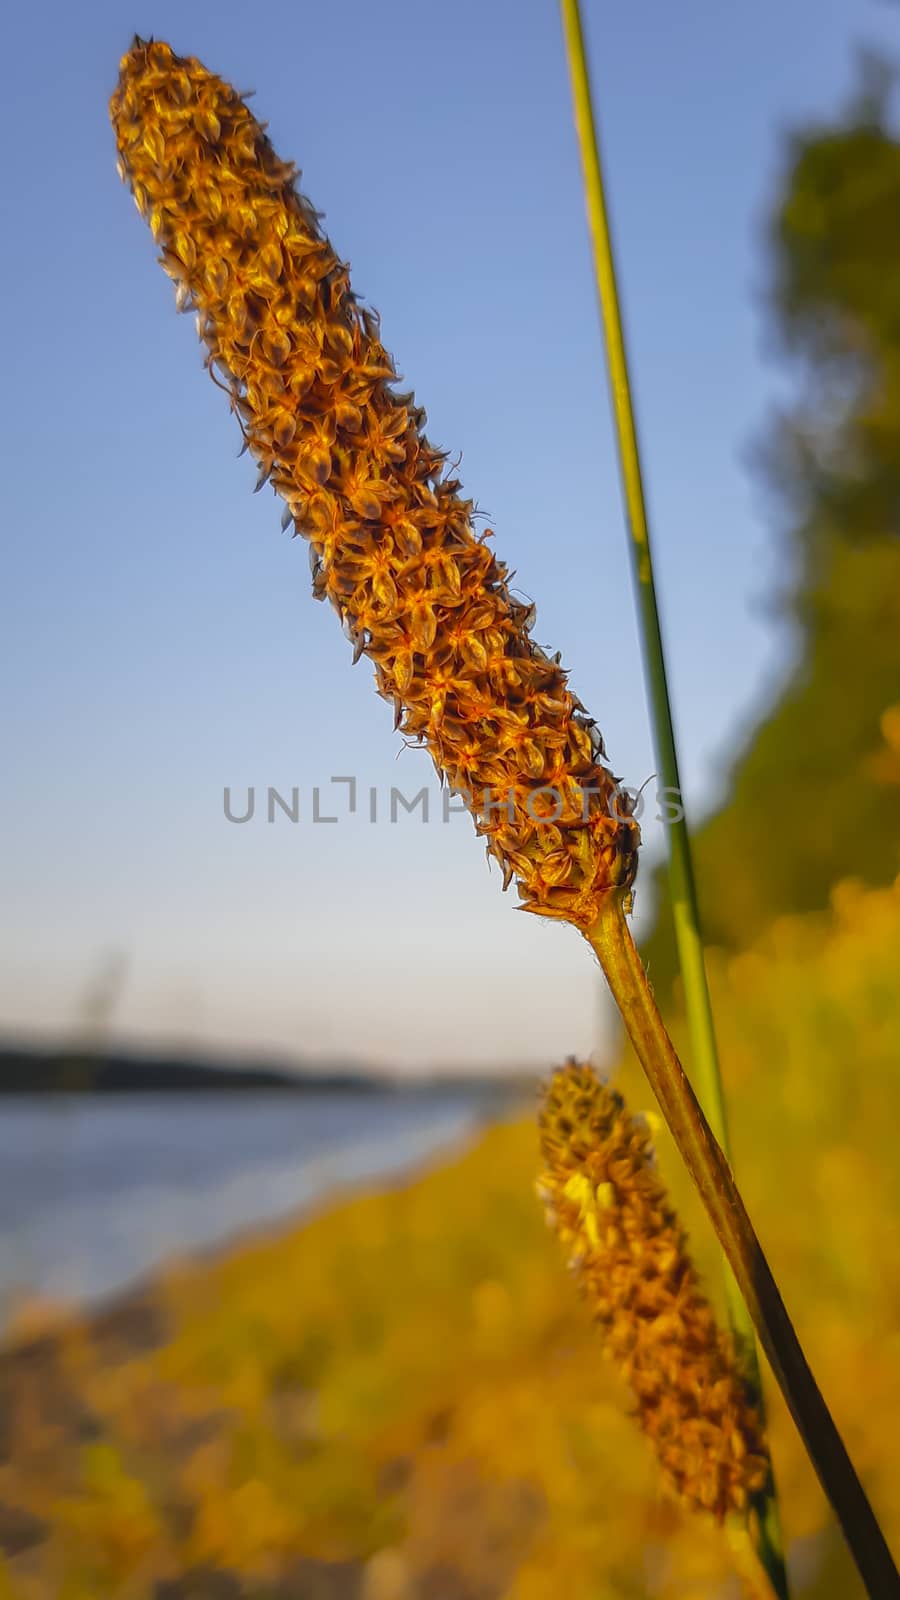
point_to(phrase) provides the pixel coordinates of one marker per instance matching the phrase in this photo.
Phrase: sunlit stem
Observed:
(611, 939)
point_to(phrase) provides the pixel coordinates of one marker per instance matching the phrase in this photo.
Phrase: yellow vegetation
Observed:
(408, 1384)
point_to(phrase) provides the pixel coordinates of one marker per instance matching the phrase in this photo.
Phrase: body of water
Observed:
(95, 1191)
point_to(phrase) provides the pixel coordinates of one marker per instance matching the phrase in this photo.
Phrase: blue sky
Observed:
(158, 634)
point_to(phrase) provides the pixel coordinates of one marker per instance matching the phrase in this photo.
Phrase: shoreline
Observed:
(114, 1189)
(108, 1310)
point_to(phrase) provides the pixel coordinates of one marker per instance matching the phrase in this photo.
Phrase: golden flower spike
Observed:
(629, 1253)
(392, 548)
(390, 533)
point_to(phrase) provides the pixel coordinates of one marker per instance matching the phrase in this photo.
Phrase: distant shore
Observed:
(27, 1068)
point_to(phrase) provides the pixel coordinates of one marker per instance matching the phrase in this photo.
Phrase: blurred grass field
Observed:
(402, 1396)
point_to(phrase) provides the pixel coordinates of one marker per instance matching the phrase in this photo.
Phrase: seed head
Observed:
(629, 1253)
(390, 533)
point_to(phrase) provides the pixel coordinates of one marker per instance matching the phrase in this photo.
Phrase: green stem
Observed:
(611, 940)
(684, 898)
(704, 1054)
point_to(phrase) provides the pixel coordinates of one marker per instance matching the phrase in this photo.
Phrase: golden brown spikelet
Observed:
(391, 537)
(629, 1253)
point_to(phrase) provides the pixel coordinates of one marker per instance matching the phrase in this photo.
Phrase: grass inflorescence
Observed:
(629, 1253)
(391, 535)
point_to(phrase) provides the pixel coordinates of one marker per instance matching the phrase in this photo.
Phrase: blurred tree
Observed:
(815, 792)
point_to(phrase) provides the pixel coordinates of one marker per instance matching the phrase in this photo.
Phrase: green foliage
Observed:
(815, 792)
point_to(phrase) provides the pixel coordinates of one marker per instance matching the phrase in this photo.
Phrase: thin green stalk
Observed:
(753, 1297)
(767, 1532)
(704, 1054)
(611, 940)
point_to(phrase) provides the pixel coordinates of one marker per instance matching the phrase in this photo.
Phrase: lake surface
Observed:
(94, 1191)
